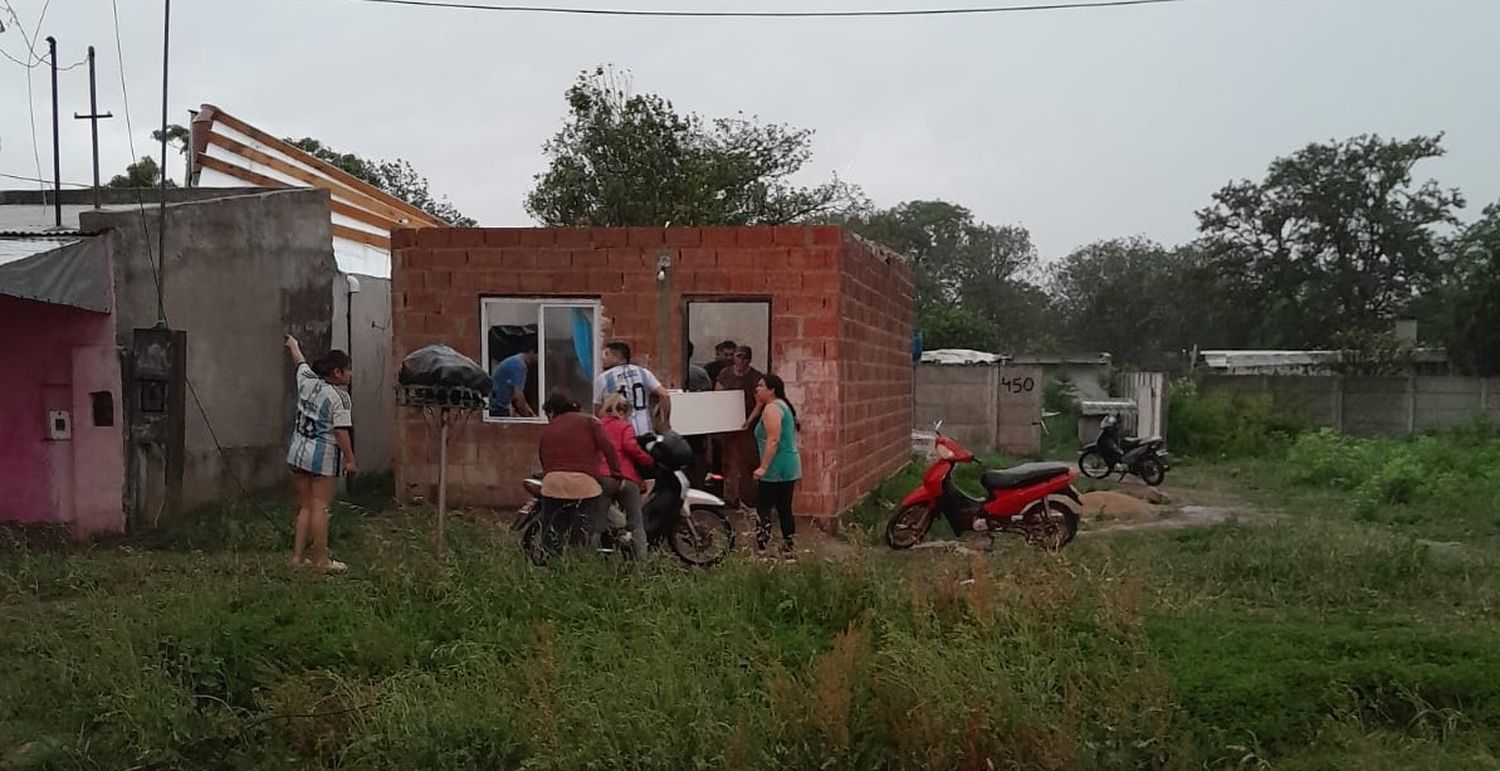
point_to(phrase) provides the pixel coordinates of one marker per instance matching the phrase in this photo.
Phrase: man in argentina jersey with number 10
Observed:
(636, 384)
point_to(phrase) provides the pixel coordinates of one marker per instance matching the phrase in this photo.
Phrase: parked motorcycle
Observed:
(1021, 500)
(1146, 458)
(690, 521)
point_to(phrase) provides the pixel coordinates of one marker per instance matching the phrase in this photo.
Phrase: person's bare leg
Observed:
(322, 495)
(303, 485)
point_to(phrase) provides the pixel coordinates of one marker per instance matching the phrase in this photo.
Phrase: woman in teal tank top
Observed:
(780, 463)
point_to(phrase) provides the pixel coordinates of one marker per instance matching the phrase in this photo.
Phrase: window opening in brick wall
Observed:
(746, 322)
(565, 334)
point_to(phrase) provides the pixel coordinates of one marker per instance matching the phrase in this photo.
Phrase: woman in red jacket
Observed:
(630, 458)
(570, 448)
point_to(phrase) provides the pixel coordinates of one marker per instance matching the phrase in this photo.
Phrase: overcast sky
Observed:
(1080, 125)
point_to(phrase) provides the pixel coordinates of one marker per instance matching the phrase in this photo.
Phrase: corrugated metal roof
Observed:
(961, 356)
(18, 246)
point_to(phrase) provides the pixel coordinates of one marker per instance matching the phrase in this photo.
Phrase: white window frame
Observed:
(542, 305)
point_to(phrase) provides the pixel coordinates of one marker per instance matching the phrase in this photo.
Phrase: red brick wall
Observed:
(875, 367)
(440, 275)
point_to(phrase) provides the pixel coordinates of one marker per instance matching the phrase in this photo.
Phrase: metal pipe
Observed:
(56, 151)
(161, 220)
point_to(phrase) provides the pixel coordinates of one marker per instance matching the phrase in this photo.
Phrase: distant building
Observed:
(1419, 361)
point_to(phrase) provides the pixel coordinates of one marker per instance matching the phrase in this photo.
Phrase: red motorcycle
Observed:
(1021, 500)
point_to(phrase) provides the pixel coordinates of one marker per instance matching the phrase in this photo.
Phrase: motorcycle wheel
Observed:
(1050, 526)
(1150, 471)
(908, 527)
(704, 538)
(542, 540)
(1093, 465)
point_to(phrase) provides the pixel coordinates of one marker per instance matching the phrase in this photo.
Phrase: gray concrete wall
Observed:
(961, 396)
(374, 387)
(1369, 405)
(1018, 399)
(241, 272)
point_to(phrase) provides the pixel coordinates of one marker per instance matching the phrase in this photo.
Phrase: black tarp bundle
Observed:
(439, 366)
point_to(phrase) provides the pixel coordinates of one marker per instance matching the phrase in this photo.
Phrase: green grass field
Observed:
(1329, 634)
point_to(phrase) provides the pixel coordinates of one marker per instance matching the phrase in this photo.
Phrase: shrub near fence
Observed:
(1226, 424)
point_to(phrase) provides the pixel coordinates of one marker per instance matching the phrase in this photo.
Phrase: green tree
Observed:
(1337, 240)
(632, 159)
(397, 177)
(143, 173)
(1467, 304)
(971, 277)
(1117, 296)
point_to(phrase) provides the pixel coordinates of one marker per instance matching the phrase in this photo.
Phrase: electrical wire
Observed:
(43, 181)
(1060, 6)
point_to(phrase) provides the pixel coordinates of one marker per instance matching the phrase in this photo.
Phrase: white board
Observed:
(707, 412)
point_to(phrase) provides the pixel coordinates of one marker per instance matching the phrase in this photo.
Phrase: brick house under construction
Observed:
(836, 312)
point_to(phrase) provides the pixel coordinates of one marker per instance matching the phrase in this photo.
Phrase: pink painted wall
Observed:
(51, 358)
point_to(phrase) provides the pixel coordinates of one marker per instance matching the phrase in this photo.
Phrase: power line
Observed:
(1063, 6)
(43, 181)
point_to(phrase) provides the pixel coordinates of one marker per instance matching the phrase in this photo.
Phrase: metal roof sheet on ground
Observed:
(70, 270)
(961, 356)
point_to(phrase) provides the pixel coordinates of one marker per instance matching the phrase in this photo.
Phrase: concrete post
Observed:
(1338, 403)
(1411, 405)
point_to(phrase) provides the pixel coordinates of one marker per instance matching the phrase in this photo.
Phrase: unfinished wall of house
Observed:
(58, 359)
(873, 379)
(367, 313)
(241, 272)
(440, 276)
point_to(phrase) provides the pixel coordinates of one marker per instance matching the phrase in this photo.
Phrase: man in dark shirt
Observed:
(723, 359)
(739, 448)
(740, 376)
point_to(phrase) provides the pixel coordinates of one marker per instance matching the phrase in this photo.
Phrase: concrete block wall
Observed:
(875, 373)
(242, 271)
(961, 396)
(440, 275)
(1372, 405)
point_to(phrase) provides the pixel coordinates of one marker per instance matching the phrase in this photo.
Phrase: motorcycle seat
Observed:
(1137, 441)
(1022, 475)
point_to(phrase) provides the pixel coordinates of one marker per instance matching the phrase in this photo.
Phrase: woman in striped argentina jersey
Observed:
(320, 450)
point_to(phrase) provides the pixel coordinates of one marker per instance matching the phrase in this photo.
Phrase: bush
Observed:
(1225, 425)
(1440, 480)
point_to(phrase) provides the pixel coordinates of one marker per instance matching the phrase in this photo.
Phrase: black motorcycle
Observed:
(690, 521)
(1144, 457)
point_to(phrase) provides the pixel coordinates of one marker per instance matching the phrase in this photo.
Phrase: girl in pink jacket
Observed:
(631, 458)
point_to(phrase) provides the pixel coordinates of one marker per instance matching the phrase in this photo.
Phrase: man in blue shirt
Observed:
(508, 385)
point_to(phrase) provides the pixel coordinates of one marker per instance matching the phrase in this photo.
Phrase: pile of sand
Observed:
(1116, 507)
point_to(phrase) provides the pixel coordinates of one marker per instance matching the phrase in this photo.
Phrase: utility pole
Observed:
(93, 118)
(161, 220)
(56, 151)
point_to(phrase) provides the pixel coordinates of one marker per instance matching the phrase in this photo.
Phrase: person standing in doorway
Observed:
(698, 378)
(320, 450)
(723, 359)
(741, 376)
(739, 447)
(780, 463)
(636, 384)
(508, 384)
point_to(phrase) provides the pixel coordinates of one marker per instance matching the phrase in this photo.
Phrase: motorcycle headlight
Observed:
(943, 452)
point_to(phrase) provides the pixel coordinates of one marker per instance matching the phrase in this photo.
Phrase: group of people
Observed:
(626, 396)
(593, 460)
